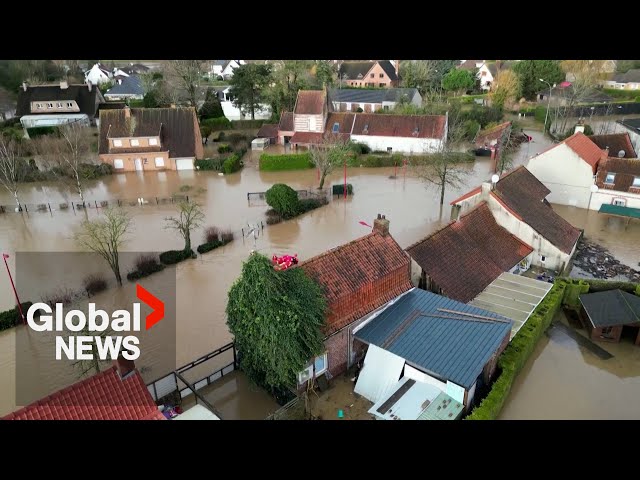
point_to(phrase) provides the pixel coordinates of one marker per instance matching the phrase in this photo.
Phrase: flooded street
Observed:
(202, 284)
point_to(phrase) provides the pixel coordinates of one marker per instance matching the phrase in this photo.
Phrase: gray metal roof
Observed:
(432, 333)
(632, 76)
(129, 86)
(360, 95)
(611, 308)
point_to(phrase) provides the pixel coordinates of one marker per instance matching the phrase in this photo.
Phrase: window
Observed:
(542, 258)
(70, 104)
(386, 107)
(382, 75)
(58, 105)
(49, 105)
(336, 127)
(38, 106)
(318, 365)
(153, 141)
(117, 143)
(636, 182)
(383, 84)
(134, 142)
(610, 178)
(372, 75)
(118, 164)
(606, 331)
(620, 202)
(159, 162)
(389, 149)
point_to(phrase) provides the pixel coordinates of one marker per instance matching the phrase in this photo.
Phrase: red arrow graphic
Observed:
(155, 303)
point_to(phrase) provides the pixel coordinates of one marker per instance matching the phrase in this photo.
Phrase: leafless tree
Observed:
(506, 146)
(65, 154)
(85, 366)
(105, 236)
(12, 167)
(187, 75)
(330, 152)
(440, 169)
(191, 216)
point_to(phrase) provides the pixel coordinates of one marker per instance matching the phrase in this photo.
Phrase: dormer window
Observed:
(135, 142)
(611, 177)
(153, 141)
(336, 127)
(69, 104)
(58, 105)
(117, 143)
(49, 105)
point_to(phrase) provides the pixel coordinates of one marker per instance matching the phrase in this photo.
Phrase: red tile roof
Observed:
(464, 257)
(523, 194)
(473, 192)
(585, 149)
(344, 121)
(103, 396)
(310, 102)
(286, 122)
(359, 277)
(306, 138)
(419, 126)
(485, 137)
(616, 142)
(626, 170)
(268, 130)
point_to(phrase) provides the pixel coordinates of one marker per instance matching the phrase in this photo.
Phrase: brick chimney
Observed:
(63, 85)
(381, 225)
(579, 128)
(124, 367)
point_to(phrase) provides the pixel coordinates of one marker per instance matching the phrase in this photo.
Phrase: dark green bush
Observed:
(294, 161)
(273, 217)
(232, 164)
(174, 256)
(11, 318)
(91, 170)
(145, 265)
(360, 148)
(209, 164)
(39, 131)
(309, 204)
(236, 138)
(208, 246)
(94, 283)
(339, 189)
(224, 148)
(283, 199)
(220, 123)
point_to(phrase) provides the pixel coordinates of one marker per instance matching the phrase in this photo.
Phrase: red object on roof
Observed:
(585, 149)
(310, 102)
(104, 396)
(464, 257)
(359, 277)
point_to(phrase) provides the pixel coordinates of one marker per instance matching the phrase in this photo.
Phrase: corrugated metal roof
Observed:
(361, 95)
(611, 308)
(442, 408)
(620, 210)
(441, 336)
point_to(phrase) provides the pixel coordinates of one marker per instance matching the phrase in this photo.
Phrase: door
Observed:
(138, 164)
(184, 164)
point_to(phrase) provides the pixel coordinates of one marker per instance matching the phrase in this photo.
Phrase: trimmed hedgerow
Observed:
(11, 318)
(208, 246)
(175, 256)
(294, 161)
(145, 264)
(232, 164)
(210, 164)
(518, 352)
(339, 189)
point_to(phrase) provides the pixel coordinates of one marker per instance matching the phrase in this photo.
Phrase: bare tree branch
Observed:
(12, 167)
(330, 152)
(191, 216)
(187, 75)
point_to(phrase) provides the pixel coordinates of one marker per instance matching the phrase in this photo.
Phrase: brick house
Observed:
(618, 181)
(118, 393)
(606, 314)
(358, 278)
(463, 258)
(142, 139)
(310, 116)
(380, 74)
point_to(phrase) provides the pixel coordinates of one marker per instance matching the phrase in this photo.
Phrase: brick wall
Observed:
(612, 336)
(147, 159)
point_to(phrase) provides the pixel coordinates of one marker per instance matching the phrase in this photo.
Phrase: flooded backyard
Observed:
(202, 284)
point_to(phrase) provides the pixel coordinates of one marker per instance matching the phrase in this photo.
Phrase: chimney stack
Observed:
(63, 85)
(124, 367)
(24, 86)
(381, 225)
(485, 190)
(579, 128)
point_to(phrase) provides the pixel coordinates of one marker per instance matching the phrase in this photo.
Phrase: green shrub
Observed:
(309, 204)
(283, 199)
(360, 148)
(224, 148)
(624, 94)
(295, 161)
(232, 164)
(208, 246)
(219, 123)
(596, 285)
(174, 256)
(373, 161)
(145, 265)
(518, 352)
(11, 318)
(339, 189)
(39, 131)
(91, 170)
(209, 164)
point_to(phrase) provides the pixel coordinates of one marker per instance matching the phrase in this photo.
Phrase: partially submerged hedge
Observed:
(11, 318)
(339, 189)
(517, 353)
(294, 161)
(175, 256)
(232, 164)
(210, 164)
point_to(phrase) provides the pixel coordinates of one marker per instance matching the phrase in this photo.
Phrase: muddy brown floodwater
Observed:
(202, 284)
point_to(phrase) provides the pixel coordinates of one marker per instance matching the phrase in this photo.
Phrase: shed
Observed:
(259, 143)
(442, 408)
(607, 314)
(406, 401)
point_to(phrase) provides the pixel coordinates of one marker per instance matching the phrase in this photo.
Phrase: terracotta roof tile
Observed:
(464, 257)
(585, 148)
(524, 195)
(626, 169)
(268, 130)
(384, 125)
(306, 137)
(310, 102)
(286, 122)
(616, 142)
(104, 396)
(485, 137)
(359, 277)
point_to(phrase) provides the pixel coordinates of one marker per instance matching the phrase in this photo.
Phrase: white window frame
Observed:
(308, 373)
(620, 202)
(49, 105)
(59, 105)
(543, 258)
(121, 163)
(636, 182)
(153, 141)
(69, 104)
(117, 143)
(613, 178)
(161, 164)
(134, 142)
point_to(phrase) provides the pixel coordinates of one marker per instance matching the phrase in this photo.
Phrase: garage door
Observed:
(184, 164)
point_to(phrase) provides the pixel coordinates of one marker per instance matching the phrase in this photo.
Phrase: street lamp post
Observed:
(548, 104)
(15, 292)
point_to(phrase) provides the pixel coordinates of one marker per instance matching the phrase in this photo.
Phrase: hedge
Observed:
(596, 285)
(220, 123)
(627, 94)
(308, 204)
(224, 148)
(11, 318)
(375, 161)
(339, 189)
(210, 164)
(174, 256)
(232, 164)
(294, 161)
(517, 353)
(137, 274)
(208, 246)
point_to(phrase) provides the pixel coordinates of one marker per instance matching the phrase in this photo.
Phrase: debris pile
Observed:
(599, 262)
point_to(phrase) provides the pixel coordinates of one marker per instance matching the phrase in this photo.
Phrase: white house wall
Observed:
(234, 113)
(563, 172)
(399, 144)
(607, 197)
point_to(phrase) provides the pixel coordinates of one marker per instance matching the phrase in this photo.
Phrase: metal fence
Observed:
(294, 410)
